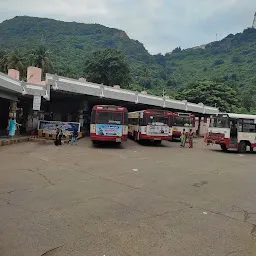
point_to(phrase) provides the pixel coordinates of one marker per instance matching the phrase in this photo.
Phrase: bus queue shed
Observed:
(66, 99)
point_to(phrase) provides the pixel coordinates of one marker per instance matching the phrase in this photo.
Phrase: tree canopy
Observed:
(215, 94)
(107, 67)
(231, 61)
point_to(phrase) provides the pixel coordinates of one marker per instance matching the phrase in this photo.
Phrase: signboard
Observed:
(159, 130)
(50, 127)
(109, 130)
(37, 103)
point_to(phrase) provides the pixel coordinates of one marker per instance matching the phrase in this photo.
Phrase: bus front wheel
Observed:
(95, 142)
(224, 148)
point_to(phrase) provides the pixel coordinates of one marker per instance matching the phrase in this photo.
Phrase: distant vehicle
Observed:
(233, 131)
(182, 121)
(150, 124)
(109, 123)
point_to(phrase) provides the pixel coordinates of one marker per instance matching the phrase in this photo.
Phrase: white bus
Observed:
(182, 121)
(233, 131)
(151, 124)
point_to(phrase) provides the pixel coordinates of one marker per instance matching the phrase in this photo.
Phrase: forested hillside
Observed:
(229, 63)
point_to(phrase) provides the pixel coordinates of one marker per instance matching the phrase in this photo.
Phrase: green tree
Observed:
(17, 60)
(213, 94)
(40, 58)
(108, 67)
(3, 62)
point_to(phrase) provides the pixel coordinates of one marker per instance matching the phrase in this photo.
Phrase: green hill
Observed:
(231, 60)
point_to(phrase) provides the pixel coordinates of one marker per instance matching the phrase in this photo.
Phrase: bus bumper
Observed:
(150, 137)
(95, 137)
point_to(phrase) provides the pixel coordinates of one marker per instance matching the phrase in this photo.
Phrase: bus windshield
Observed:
(158, 120)
(183, 121)
(109, 118)
(219, 122)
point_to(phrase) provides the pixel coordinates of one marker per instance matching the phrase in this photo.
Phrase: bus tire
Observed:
(242, 147)
(223, 147)
(157, 142)
(94, 142)
(118, 143)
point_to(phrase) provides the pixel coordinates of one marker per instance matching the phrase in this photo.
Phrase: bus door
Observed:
(234, 123)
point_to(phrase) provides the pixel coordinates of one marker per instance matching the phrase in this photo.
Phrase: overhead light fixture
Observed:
(23, 91)
(46, 96)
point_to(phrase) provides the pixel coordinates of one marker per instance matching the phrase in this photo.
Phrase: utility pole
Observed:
(163, 92)
(254, 21)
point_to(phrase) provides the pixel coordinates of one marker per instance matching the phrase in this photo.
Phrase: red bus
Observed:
(182, 121)
(150, 124)
(109, 123)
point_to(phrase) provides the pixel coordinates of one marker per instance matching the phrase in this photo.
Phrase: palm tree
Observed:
(3, 62)
(17, 60)
(40, 58)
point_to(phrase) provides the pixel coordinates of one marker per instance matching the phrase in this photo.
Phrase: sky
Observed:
(161, 25)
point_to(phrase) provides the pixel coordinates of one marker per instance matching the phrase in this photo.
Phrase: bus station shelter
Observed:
(66, 99)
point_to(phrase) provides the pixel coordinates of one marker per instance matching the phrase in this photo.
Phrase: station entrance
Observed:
(4, 116)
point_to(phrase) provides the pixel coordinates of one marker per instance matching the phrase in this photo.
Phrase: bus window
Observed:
(220, 122)
(93, 115)
(158, 120)
(183, 121)
(109, 118)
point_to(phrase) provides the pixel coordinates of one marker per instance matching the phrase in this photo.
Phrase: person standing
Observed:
(74, 136)
(190, 138)
(12, 127)
(183, 138)
(58, 135)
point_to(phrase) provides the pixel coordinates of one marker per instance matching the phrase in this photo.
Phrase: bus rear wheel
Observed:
(224, 148)
(242, 147)
(157, 142)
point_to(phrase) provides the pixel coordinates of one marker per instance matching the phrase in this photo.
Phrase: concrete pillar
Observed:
(199, 125)
(14, 73)
(34, 75)
(13, 109)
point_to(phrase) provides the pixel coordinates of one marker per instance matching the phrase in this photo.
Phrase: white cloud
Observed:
(160, 24)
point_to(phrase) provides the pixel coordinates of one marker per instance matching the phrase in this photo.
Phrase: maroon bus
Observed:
(109, 123)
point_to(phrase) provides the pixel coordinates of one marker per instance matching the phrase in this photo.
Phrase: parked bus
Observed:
(109, 123)
(182, 121)
(233, 131)
(151, 124)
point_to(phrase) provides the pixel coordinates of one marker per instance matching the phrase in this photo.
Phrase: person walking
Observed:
(190, 138)
(58, 135)
(12, 127)
(74, 136)
(183, 138)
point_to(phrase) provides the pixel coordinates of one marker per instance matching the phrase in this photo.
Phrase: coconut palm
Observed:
(17, 60)
(3, 62)
(40, 58)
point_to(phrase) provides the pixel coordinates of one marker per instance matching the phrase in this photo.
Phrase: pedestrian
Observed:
(74, 136)
(190, 138)
(183, 138)
(12, 127)
(58, 135)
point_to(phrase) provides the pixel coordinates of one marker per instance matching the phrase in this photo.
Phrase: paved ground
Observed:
(133, 200)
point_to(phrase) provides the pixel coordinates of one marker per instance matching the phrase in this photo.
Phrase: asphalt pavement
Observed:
(132, 200)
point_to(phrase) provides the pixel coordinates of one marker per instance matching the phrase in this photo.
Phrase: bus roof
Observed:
(183, 114)
(239, 116)
(109, 107)
(151, 110)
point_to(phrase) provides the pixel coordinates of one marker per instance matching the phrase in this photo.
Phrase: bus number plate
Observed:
(118, 139)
